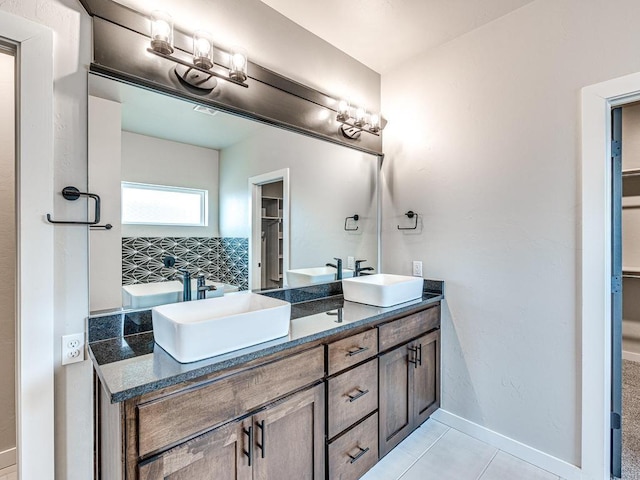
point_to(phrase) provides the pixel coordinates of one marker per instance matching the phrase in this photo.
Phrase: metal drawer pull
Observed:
(261, 445)
(420, 354)
(351, 353)
(354, 458)
(361, 393)
(249, 433)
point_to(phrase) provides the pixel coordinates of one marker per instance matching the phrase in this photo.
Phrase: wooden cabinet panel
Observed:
(351, 350)
(164, 422)
(426, 378)
(354, 453)
(289, 438)
(395, 394)
(352, 396)
(404, 329)
(218, 454)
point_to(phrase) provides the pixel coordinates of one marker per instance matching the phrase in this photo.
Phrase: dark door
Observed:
(395, 397)
(616, 293)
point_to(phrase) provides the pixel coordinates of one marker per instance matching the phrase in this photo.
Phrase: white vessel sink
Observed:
(147, 295)
(382, 289)
(191, 331)
(302, 277)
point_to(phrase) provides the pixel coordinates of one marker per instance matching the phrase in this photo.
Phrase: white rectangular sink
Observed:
(382, 289)
(191, 331)
(147, 295)
(302, 277)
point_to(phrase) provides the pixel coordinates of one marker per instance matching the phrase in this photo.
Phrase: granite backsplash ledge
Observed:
(121, 324)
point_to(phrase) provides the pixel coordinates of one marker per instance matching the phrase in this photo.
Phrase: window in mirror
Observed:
(146, 204)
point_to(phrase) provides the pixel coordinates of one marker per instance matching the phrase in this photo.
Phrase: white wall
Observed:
(164, 162)
(104, 151)
(483, 140)
(327, 183)
(7, 259)
(73, 391)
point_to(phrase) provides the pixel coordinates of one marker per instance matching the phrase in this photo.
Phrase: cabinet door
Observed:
(426, 377)
(395, 398)
(221, 454)
(289, 438)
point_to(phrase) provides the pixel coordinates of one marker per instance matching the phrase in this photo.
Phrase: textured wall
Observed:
(483, 141)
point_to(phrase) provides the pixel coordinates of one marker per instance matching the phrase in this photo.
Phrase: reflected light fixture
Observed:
(201, 71)
(355, 120)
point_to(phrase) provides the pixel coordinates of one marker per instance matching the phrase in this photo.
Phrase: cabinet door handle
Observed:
(413, 350)
(351, 353)
(361, 393)
(262, 444)
(354, 458)
(420, 354)
(249, 433)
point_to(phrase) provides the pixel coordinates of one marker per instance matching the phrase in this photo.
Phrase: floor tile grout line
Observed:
(423, 453)
(484, 470)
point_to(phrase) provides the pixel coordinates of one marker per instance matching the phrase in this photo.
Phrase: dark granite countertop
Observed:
(133, 364)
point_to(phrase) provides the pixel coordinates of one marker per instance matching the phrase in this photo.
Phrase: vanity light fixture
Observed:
(360, 121)
(161, 32)
(201, 72)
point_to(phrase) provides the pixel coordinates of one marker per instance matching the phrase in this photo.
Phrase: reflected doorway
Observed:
(269, 248)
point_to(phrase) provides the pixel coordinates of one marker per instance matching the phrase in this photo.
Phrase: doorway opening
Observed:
(269, 239)
(626, 310)
(8, 260)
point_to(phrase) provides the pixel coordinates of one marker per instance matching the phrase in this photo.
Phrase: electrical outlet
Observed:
(417, 268)
(351, 263)
(72, 348)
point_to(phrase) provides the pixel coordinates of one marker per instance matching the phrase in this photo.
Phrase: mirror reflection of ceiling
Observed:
(147, 113)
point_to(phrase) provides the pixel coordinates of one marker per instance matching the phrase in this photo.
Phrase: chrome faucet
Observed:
(185, 277)
(337, 266)
(203, 288)
(360, 269)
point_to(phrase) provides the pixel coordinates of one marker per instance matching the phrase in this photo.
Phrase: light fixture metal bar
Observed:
(191, 65)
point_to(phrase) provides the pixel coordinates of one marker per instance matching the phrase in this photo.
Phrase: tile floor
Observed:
(9, 473)
(435, 451)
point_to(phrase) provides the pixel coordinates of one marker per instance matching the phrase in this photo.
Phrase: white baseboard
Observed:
(632, 356)
(7, 458)
(513, 447)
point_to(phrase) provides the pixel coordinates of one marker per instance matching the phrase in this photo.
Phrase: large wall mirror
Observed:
(239, 203)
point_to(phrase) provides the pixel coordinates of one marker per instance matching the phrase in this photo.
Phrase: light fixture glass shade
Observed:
(343, 111)
(161, 32)
(374, 122)
(202, 49)
(361, 117)
(238, 64)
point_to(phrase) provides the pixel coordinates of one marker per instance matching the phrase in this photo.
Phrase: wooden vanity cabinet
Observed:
(409, 376)
(285, 440)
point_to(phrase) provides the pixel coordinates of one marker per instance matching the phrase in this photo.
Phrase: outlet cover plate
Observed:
(72, 348)
(417, 268)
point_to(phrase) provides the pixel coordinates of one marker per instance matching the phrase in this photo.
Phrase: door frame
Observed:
(35, 246)
(255, 209)
(594, 257)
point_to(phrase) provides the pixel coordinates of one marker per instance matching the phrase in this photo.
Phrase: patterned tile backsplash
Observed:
(223, 260)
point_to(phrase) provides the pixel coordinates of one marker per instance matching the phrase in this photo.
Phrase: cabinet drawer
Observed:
(353, 454)
(404, 329)
(349, 351)
(352, 395)
(166, 421)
